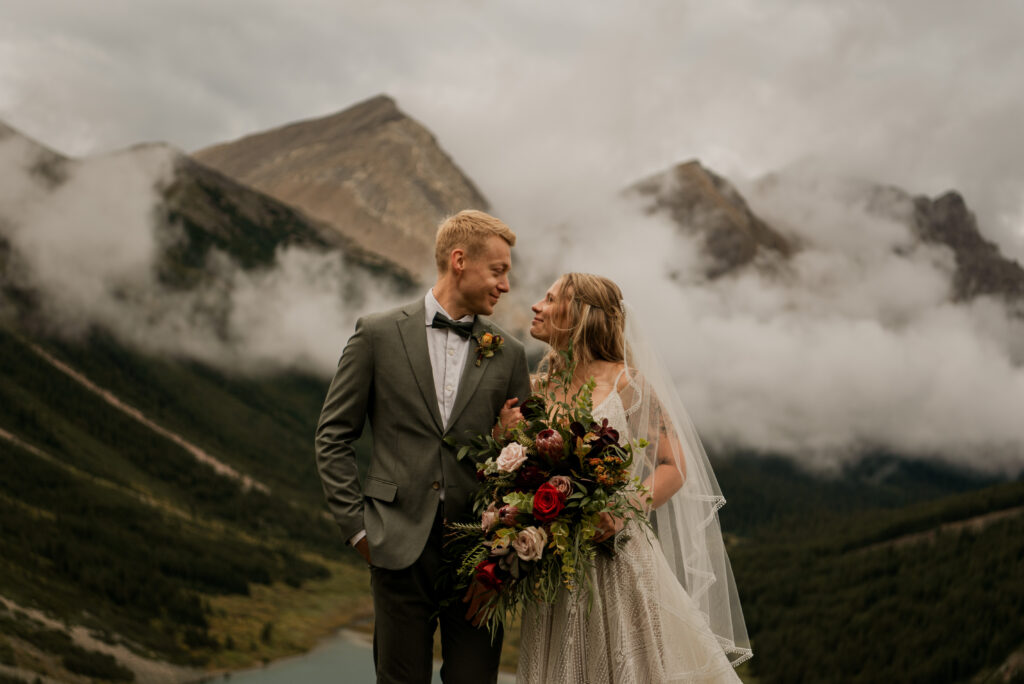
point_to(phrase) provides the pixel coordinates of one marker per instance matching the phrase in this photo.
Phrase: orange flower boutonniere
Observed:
(487, 345)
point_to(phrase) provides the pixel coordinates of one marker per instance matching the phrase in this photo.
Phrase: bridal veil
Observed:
(687, 524)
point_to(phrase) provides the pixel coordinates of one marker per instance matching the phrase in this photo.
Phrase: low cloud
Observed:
(853, 345)
(89, 245)
(552, 109)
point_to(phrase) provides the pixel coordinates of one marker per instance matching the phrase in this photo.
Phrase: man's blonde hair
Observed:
(468, 230)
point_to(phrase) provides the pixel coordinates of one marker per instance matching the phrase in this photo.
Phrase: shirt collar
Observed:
(433, 307)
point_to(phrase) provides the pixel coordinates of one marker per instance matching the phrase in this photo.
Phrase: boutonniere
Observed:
(486, 346)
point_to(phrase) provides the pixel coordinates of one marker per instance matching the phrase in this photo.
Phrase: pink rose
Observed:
(511, 457)
(562, 483)
(489, 518)
(529, 543)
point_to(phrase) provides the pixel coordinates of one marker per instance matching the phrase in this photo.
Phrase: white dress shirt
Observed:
(447, 350)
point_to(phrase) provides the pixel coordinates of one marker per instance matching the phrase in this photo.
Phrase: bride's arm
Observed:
(669, 462)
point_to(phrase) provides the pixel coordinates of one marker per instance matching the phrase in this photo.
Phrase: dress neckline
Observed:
(604, 401)
(614, 390)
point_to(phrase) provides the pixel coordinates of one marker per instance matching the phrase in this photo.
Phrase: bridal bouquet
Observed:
(539, 505)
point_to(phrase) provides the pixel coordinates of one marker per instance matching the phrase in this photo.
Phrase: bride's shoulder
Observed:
(630, 382)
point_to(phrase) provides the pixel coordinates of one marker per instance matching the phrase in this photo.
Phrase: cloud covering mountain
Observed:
(544, 102)
(836, 322)
(857, 341)
(128, 243)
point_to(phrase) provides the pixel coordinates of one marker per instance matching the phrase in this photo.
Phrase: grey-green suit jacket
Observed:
(385, 375)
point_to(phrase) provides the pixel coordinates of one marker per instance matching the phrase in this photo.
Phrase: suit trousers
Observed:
(406, 604)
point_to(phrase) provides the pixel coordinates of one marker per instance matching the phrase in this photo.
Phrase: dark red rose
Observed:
(481, 475)
(550, 445)
(548, 502)
(530, 476)
(487, 574)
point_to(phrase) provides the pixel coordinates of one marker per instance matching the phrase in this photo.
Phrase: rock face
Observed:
(981, 269)
(42, 163)
(701, 202)
(216, 211)
(370, 172)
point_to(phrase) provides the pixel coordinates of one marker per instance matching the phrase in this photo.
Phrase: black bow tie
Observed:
(463, 329)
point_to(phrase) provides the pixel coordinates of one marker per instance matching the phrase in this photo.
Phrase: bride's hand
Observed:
(608, 527)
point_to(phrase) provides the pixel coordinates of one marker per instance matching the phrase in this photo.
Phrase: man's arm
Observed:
(518, 392)
(341, 424)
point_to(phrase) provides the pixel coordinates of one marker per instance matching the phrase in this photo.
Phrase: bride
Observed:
(665, 608)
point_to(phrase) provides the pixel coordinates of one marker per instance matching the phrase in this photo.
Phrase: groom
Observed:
(420, 373)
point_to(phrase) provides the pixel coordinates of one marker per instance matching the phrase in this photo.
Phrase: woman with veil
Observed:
(665, 607)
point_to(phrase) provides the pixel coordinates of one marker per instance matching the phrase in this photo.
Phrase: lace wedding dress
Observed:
(641, 626)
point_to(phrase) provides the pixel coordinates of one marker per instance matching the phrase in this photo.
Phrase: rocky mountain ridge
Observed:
(370, 172)
(700, 202)
(196, 212)
(109, 523)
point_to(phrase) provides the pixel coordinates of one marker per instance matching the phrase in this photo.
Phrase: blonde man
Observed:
(420, 373)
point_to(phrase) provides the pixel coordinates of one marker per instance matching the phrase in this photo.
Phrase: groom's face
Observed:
(484, 276)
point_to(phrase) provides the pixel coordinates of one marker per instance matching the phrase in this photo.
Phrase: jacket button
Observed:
(436, 485)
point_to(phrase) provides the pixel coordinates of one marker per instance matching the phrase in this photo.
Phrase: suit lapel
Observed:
(414, 338)
(471, 373)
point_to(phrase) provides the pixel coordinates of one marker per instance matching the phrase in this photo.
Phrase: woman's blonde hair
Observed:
(468, 230)
(590, 319)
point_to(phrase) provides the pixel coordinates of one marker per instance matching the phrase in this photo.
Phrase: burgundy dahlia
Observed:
(530, 477)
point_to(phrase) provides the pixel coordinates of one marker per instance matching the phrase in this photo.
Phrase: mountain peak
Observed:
(700, 201)
(981, 268)
(43, 163)
(370, 171)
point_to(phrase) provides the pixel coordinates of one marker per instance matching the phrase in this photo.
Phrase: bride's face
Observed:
(548, 315)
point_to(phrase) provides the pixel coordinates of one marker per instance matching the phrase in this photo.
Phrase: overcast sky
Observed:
(552, 108)
(545, 101)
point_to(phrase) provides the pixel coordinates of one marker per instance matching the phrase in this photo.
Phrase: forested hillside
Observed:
(932, 592)
(109, 523)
